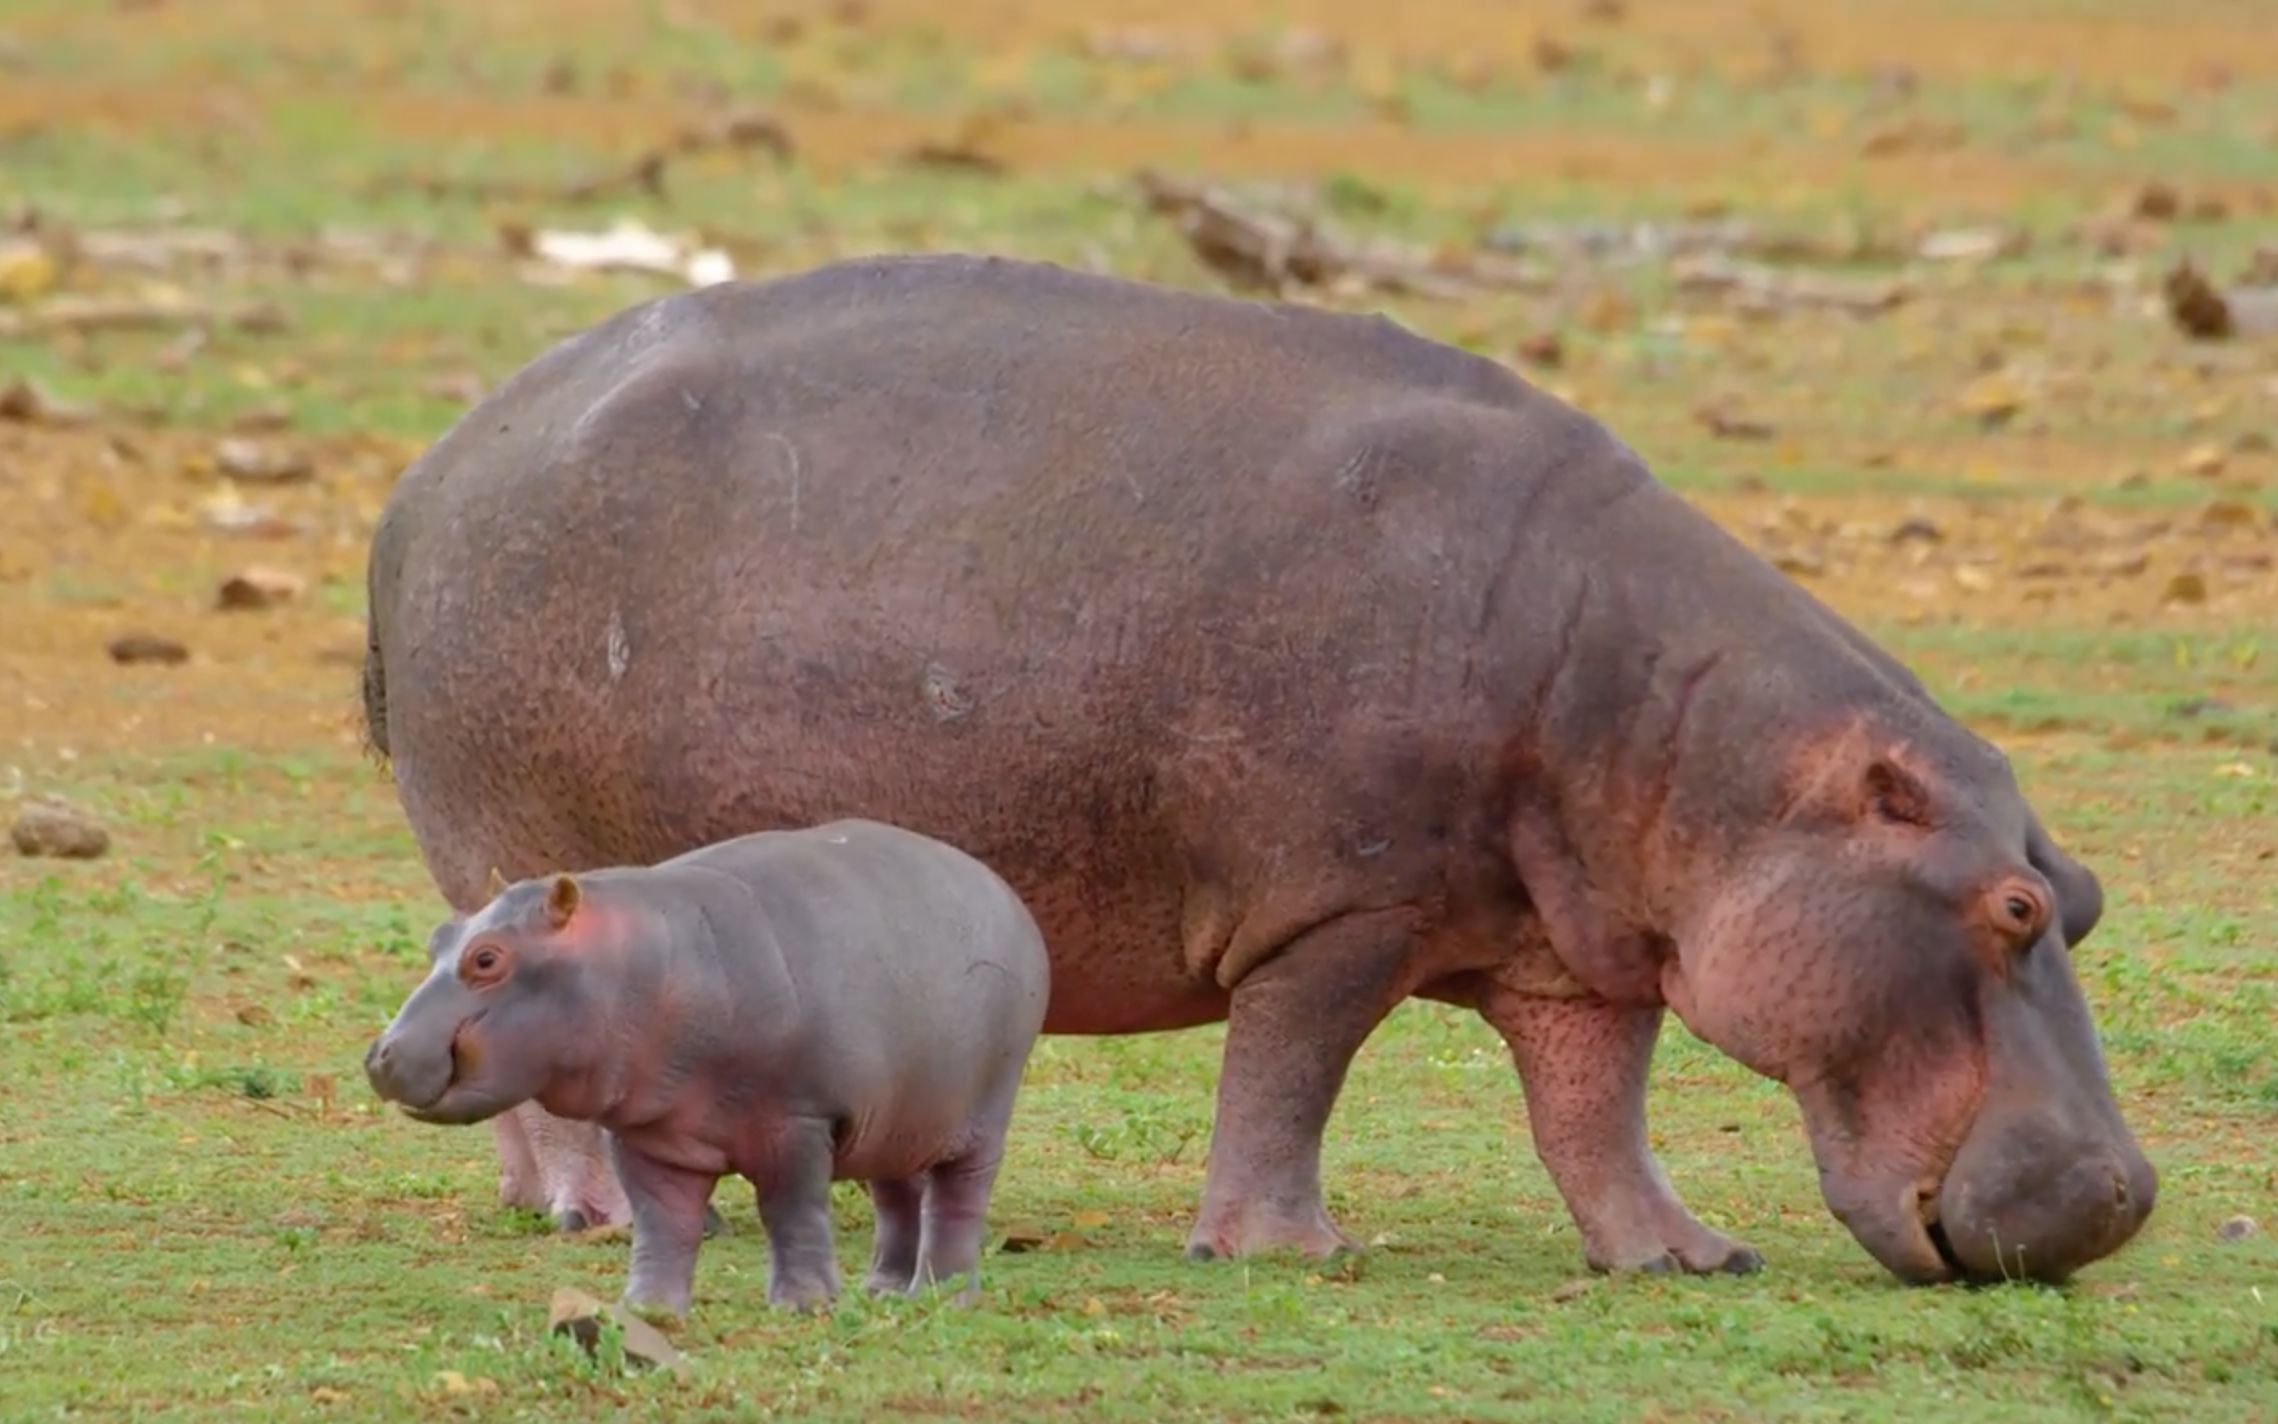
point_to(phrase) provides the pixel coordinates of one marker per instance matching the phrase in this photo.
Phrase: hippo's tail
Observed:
(375, 696)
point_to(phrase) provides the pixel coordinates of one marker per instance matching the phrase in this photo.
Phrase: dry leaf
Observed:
(27, 271)
(1544, 349)
(2203, 460)
(1725, 425)
(1993, 399)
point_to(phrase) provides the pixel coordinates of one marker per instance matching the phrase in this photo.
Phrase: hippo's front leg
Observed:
(668, 1205)
(1583, 1065)
(794, 1190)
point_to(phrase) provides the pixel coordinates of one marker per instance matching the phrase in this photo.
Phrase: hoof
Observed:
(570, 1219)
(1742, 1261)
(1201, 1251)
(714, 1223)
(1737, 1260)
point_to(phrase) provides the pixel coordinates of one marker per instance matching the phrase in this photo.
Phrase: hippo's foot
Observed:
(1258, 1228)
(1583, 1064)
(558, 1168)
(1701, 1253)
(795, 1208)
(900, 1208)
(1291, 1032)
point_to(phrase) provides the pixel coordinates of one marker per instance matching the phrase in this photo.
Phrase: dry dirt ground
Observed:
(1883, 286)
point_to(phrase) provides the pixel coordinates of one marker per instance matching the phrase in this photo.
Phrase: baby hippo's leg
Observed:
(957, 1203)
(668, 1205)
(900, 1206)
(794, 1189)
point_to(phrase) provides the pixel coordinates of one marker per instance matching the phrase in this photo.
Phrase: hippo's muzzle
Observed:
(417, 1074)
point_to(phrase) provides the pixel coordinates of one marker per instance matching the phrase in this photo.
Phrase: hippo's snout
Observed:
(2042, 1215)
(401, 1073)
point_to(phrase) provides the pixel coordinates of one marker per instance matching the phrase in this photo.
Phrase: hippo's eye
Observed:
(2018, 912)
(484, 965)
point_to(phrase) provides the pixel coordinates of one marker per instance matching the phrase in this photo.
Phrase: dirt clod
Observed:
(2238, 1228)
(27, 402)
(2186, 588)
(259, 588)
(55, 829)
(129, 649)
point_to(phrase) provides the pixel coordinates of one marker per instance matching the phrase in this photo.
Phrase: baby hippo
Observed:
(851, 1001)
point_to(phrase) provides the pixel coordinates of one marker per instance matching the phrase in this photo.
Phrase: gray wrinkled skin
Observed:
(851, 1001)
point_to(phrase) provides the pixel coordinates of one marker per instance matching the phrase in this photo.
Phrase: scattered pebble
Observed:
(1917, 528)
(252, 462)
(2238, 1228)
(58, 830)
(2186, 588)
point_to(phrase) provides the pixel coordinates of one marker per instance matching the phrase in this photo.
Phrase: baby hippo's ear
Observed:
(496, 886)
(562, 899)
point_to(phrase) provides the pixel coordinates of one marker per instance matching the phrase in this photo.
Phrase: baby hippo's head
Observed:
(504, 1013)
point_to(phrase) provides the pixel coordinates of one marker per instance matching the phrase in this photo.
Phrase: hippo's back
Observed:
(1145, 598)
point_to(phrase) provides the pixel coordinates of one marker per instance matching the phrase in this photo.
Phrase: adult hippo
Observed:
(1288, 665)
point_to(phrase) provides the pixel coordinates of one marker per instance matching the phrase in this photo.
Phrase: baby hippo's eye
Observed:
(483, 965)
(2020, 908)
(487, 959)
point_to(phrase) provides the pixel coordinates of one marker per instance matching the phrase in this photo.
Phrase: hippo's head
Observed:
(1895, 949)
(499, 1017)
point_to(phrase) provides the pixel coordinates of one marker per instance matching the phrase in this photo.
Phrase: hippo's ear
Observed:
(495, 886)
(562, 899)
(2080, 897)
(1890, 792)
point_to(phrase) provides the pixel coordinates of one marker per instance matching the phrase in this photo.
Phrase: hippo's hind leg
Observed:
(956, 1220)
(899, 1205)
(1583, 1065)
(1292, 1030)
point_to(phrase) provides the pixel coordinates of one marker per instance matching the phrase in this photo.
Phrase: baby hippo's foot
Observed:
(795, 1207)
(900, 1209)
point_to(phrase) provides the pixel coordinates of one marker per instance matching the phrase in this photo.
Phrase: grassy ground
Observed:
(203, 1213)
